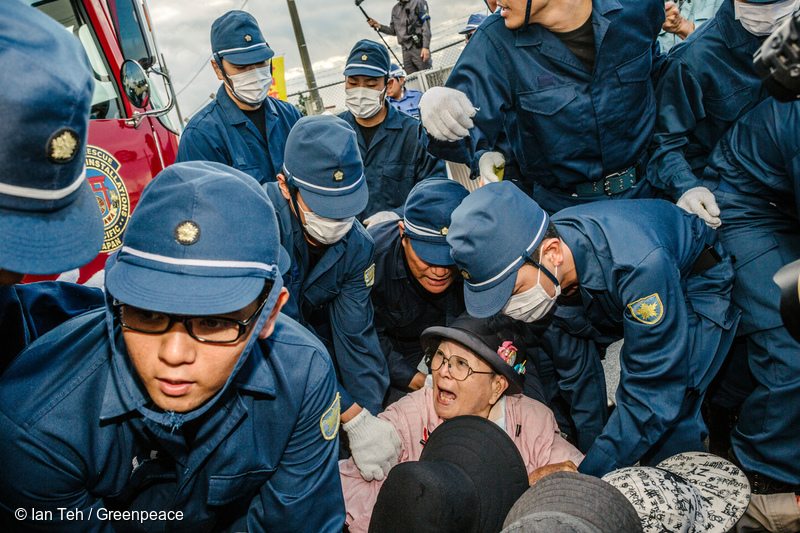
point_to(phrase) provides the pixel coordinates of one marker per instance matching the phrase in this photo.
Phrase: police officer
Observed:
(661, 283)
(754, 173)
(402, 98)
(560, 94)
(706, 85)
(683, 18)
(49, 221)
(317, 196)
(416, 282)
(391, 143)
(411, 23)
(474, 20)
(243, 127)
(188, 402)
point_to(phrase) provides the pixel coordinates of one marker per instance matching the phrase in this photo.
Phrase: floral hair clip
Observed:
(508, 353)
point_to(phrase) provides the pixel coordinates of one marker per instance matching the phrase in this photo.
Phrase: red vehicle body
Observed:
(128, 145)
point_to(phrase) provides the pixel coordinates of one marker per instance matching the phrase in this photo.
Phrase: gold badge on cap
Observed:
(364, 57)
(465, 274)
(63, 145)
(443, 231)
(248, 38)
(338, 175)
(187, 233)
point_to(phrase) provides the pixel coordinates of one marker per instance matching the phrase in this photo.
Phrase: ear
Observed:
(217, 69)
(283, 186)
(553, 249)
(269, 325)
(499, 386)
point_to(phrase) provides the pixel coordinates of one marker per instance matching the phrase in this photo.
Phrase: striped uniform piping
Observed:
(251, 47)
(422, 231)
(212, 263)
(369, 67)
(530, 247)
(43, 194)
(319, 187)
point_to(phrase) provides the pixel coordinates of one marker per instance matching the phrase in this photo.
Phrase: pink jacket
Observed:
(530, 425)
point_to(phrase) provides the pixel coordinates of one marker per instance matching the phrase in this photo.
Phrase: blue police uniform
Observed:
(221, 132)
(396, 157)
(258, 462)
(403, 308)
(563, 129)
(706, 84)
(754, 173)
(656, 285)
(29, 311)
(332, 298)
(409, 103)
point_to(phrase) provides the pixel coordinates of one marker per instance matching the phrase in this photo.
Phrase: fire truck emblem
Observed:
(62, 146)
(102, 173)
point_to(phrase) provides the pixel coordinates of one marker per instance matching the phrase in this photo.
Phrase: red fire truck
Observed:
(131, 136)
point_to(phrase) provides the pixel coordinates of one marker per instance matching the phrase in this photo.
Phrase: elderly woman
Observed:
(476, 370)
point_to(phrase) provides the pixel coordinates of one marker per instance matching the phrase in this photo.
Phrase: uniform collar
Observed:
(256, 375)
(124, 392)
(733, 33)
(398, 262)
(534, 33)
(233, 114)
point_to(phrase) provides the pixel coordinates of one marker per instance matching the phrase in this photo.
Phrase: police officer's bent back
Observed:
(243, 127)
(662, 284)
(561, 93)
(391, 143)
(317, 197)
(49, 221)
(188, 396)
(416, 282)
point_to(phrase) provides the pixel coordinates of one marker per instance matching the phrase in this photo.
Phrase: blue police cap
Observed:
(203, 240)
(426, 217)
(49, 219)
(236, 37)
(396, 71)
(492, 233)
(367, 58)
(473, 22)
(322, 159)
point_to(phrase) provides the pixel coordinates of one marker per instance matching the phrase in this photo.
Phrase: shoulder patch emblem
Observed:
(648, 310)
(329, 422)
(369, 275)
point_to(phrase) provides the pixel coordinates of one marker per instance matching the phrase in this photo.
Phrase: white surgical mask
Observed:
(533, 304)
(363, 102)
(760, 19)
(252, 86)
(326, 230)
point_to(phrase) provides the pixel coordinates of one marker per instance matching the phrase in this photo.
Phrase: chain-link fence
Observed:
(333, 96)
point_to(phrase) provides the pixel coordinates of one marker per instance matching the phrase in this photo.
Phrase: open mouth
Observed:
(445, 397)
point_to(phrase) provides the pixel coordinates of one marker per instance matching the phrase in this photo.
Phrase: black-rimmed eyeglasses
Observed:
(207, 328)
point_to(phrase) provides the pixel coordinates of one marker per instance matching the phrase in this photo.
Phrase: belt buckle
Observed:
(607, 182)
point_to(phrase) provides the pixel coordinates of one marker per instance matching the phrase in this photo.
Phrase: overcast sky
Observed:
(331, 27)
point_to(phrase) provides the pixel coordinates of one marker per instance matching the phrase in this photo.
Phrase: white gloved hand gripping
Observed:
(701, 202)
(491, 165)
(374, 443)
(446, 113)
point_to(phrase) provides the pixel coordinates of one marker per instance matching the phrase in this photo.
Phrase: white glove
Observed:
(701, 202)
(446, 113)
(380, 216)
(487, 164)
(374, 443)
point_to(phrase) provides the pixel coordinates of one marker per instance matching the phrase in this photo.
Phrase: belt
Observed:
(761, 484)
(707, 259)
(610, 185)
